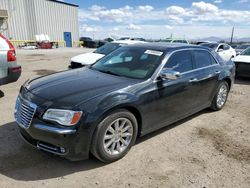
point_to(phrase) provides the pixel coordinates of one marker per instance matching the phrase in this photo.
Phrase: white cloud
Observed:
(115, 29)
(133, 27)
(203, 8)
(176, 10)
(168, 27)
(175, 19)
(218, 1)
(127, 19)
(86, 28)
(146, 8)
(113, 15)
(96, 8)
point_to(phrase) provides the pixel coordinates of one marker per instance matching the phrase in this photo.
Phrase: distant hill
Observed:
(246, 39)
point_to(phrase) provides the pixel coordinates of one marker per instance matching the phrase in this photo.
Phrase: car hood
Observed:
(76, 86)
(242, 58)
(87, 59)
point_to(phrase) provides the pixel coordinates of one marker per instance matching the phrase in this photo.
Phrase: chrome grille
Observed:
(24, 112)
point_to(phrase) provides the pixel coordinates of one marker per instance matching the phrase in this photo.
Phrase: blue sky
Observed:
(160, 18)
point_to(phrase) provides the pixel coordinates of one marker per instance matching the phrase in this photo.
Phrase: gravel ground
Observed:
(209, 149)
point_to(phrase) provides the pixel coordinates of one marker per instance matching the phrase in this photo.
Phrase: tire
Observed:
(121, 141)
(220, 97)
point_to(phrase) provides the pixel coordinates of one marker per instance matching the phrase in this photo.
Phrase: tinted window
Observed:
(180, 61)
(220, 47)
(210, 45)
(180, 41)
(246, 52)
(226, 47)
(243, 46)
(202, 58)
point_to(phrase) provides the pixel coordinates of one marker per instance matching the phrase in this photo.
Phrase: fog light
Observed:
(62, 150)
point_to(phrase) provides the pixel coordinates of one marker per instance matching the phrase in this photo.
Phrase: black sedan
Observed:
(131, 92)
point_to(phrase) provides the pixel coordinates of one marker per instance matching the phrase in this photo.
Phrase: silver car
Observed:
(9, 70)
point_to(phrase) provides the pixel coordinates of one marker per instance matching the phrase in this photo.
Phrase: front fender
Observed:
(97, 108)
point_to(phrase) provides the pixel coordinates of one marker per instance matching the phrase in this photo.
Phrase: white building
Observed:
(23, 19)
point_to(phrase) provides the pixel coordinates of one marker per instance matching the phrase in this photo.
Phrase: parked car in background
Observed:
(90, 58)
(129, 93)
(233, 46)
(241, 48)
(133, 38)
(223, 49)
(175, 40)
(242, 62)
(89, 42)
(9, 70)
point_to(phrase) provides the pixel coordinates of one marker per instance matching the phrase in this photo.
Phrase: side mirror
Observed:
(220, 50)
(170, 74)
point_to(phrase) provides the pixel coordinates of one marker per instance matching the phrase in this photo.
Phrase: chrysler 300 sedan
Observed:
(104, 108)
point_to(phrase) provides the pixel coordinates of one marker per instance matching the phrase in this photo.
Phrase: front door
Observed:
(171, 99)
(68, 39)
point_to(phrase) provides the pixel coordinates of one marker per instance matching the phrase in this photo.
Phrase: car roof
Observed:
(128, 41)
(166, 47)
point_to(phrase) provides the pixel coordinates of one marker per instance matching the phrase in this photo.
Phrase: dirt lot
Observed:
(210, 149)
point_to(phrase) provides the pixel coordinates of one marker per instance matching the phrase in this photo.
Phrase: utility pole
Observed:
(232, 36)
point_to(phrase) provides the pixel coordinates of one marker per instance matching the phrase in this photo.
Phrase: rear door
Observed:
(207, 75)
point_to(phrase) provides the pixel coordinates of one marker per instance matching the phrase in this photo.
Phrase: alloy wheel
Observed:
(118, 136)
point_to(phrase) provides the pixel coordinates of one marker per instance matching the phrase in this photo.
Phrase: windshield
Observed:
(246, 52)
(210, 45)
(242, 46)
(107, 48)
(131, 62)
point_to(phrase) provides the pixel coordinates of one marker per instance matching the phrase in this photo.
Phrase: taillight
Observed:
(11, 55)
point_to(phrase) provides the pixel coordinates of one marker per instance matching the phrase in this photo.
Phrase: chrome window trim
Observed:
(168, 55)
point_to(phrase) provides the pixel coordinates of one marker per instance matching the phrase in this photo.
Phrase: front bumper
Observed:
(68, 143)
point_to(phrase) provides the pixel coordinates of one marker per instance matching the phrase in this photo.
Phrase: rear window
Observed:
(202, 58)
(107, 48)
(210, 45)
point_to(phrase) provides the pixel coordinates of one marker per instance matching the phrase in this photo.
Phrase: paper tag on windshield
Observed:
(153, 52)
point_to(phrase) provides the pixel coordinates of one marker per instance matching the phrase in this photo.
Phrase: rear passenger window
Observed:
(226, 47)
(202, 58)
(180, 61)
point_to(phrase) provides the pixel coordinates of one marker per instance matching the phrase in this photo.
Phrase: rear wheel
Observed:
(220, 98)
(114, 136)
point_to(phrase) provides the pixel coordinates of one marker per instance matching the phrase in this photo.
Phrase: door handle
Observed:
(193, 80)
(217, 72)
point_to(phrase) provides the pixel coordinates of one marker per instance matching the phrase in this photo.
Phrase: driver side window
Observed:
(220, 48)
(180, 61)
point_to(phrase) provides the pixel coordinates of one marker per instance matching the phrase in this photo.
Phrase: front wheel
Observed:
(114, 136)
(220, 98)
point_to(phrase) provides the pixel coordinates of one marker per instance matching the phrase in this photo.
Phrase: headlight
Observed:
(63, 117)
